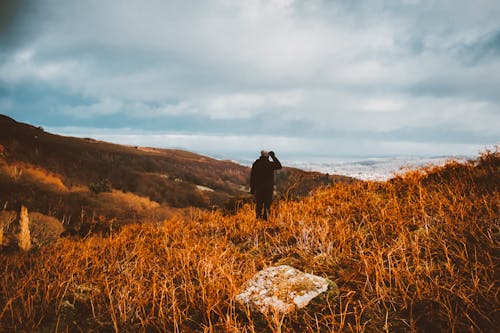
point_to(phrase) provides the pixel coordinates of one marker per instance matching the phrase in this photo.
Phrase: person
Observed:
(262, 182)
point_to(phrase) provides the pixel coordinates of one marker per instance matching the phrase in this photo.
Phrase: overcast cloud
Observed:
(232, 77)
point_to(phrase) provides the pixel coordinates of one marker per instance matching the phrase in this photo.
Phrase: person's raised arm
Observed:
(276, 162)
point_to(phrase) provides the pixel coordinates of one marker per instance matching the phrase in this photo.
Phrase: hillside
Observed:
(419, 253)
(165, 176)
(63, 176)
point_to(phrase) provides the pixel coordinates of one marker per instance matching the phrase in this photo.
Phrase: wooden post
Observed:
(24, 237)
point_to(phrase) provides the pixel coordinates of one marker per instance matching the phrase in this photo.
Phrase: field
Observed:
(418, 253)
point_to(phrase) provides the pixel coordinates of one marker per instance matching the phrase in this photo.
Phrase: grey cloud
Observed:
(477, 83)
(343, 70)
(433, 134)
(484, 49)
(12, 17)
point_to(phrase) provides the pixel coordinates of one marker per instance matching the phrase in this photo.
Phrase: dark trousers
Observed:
(263, 200)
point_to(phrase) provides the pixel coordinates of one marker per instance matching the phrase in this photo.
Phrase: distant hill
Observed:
(62, 177)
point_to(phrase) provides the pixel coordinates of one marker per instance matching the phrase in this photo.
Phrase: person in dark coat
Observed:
(262, 182)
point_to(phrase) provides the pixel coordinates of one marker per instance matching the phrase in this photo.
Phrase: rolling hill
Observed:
(87, 183)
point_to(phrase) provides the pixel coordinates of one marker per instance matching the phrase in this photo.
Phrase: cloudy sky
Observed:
(228, 78)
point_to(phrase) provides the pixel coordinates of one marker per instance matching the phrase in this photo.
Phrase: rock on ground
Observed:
(281, 289)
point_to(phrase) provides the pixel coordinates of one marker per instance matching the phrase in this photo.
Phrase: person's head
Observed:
(264, 153)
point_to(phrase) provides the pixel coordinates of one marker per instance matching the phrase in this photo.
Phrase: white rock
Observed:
(281, 289)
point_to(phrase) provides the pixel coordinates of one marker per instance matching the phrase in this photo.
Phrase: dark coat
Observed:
(262, 175)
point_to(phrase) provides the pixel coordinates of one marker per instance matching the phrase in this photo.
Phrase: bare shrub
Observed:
(7, 219)
(44, 229)
(103, 185)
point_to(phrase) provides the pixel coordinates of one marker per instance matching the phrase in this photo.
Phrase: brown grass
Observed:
(129, 200)
(419, 253)
(81, 210)
(24, 172)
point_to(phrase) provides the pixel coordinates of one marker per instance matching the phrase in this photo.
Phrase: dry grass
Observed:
(418, 253)
(128, 200)
(30, 174)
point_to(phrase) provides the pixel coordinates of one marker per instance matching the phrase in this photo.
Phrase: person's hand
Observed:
(271, 153)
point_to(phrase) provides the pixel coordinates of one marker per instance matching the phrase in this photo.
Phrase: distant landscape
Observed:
(373, 167)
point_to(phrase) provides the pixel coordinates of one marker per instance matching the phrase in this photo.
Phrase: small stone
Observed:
(281, 289)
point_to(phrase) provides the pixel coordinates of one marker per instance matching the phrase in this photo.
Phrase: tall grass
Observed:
(28, 173)
(417, 253)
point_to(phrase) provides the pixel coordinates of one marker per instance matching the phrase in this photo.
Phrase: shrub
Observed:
(44, 229)
(103, 185)
(6, 227)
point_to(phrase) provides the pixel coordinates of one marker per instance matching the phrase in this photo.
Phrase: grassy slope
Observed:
(418, 253)
(165, 176)
(52, 174)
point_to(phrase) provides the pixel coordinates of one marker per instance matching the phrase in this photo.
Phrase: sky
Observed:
(229, 78)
